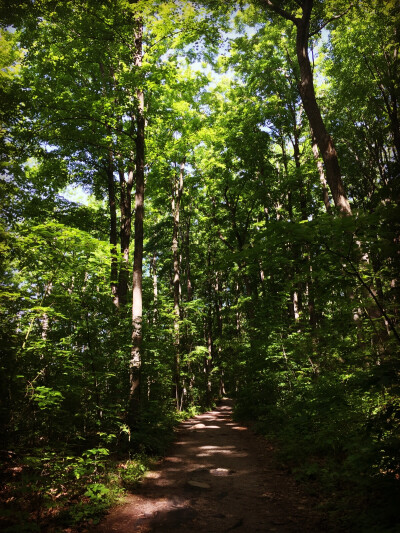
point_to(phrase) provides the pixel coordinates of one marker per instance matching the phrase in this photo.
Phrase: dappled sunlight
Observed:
(219, 472)
(214, 447)
(152, 475)
(198, 426)
(174, 459)
(217, 484)
(209, 450)
(173, 469)
(199, 198)
(233, 453)
(197, 467)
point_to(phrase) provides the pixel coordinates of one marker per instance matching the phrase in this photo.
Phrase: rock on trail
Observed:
(218, 477)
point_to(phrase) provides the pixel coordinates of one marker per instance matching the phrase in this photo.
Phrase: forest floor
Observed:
(218, 477)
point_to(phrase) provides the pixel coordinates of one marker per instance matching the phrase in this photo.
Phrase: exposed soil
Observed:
(218, 477)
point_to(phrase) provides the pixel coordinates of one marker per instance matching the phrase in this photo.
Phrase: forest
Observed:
(198, 199)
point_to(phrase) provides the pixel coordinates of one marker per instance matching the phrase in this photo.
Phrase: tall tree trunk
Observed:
(187, 338)
(111, 201)
(176, 200)
(313, 112)
(297, 297)
(208, 334)
(113, 228)
(189, 287)
(125, 232)
(320, 167)
(300, 184)
(218, 314)
(137, 304)
(153, 270)
(307, 93)
(208, 361)
(285, 166)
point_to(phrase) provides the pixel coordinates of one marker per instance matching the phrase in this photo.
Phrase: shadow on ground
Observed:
(217, 477)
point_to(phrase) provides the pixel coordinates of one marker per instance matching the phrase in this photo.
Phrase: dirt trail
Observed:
(218, 477)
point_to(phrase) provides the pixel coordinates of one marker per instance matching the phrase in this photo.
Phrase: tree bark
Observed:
(125, 233)
(300, 184)
(113, 228)
(137, 304)
(208, 361)
(325, 195)
(285, 166)
(208, 334)
(307, 93)
(111, 203)
(218, 315)
(313, 112)
(153, 270)
(189, 286)
(176, 200)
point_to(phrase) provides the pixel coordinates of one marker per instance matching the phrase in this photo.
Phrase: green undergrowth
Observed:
(50, 490)
(53, 488)
(339, 436)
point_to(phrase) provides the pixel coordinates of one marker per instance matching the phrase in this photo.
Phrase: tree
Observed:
(369, 121)
(242, 280)
(307, 93)
(137, 289)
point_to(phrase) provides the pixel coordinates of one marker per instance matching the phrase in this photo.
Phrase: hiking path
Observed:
(217, 477)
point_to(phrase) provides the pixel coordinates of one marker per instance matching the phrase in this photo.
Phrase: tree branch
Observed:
(228, 244)
(378, 304)
(335, 17)
(356, 273)
(282, 12)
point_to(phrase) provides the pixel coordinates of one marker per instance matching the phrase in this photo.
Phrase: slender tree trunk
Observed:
(45, 317)
(187, 338)
(189, 287)
(93, 368)
(113, 228)
(285, 166)
(311, 290)
(176, 200)
(218, 314)
(379, 291)
(300, 184)
(313, 112)
(237, 314)
(297, 296)
(111, 202)
(295, 311)
(208, 333)
(155, 287)
(125, 233)
(307, 93)
(137, 305)
(320, 167)
(208, 361)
